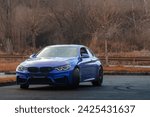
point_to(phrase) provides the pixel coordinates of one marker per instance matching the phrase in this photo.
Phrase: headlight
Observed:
(21, 68)
(63, 68)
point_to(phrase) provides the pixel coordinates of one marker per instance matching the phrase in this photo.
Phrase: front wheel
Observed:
(99, 79)
(75, 78)
(24, 86)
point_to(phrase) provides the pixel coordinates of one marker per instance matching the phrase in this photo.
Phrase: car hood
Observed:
(52, 62)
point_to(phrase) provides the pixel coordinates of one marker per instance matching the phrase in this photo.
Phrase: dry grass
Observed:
(6, 80)
(8, 66)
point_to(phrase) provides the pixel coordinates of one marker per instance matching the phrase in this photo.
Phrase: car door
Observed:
(87, 65)
(94, 64)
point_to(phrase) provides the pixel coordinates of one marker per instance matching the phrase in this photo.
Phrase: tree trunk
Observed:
(106, 52)
(34, 41)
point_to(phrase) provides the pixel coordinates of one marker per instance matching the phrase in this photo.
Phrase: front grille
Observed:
(41, 69)
(33, 69)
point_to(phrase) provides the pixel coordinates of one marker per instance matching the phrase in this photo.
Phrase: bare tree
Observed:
(30, 24)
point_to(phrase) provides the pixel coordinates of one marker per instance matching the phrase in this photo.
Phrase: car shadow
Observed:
(61, 88)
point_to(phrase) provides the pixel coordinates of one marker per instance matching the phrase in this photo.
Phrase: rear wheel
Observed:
(99, 79)
(75, 78)
(24, 86)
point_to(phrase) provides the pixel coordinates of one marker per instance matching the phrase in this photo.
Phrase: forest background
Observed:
(29, 25)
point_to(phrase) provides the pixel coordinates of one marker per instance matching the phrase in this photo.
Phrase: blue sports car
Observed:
(66, 65)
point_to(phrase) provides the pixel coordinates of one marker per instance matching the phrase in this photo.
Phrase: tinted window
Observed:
(83, 51)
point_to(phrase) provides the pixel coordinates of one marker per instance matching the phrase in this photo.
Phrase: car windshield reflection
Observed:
(58, 52)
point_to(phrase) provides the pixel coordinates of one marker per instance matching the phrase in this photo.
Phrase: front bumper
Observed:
(53, 78)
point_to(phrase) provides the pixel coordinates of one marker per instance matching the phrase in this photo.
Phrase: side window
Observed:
(83, 51)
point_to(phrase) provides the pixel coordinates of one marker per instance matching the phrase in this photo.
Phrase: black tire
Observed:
(24, 86)
(75, 78)
(99, 79)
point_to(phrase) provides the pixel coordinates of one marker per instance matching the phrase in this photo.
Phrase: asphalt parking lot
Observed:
(115, 87)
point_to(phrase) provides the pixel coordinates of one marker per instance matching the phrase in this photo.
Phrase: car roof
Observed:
(68, 45)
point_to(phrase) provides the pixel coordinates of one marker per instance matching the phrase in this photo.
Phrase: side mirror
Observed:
(84, 55)
(32, 56)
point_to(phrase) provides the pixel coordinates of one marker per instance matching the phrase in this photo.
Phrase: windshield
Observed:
(64, 51)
